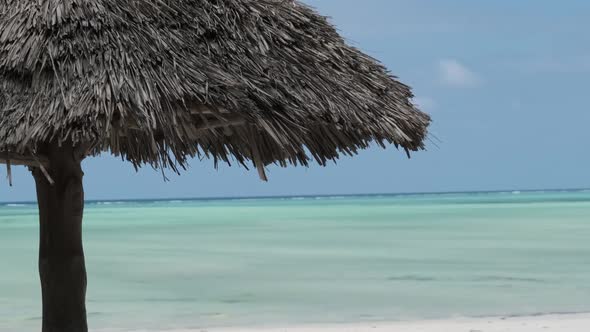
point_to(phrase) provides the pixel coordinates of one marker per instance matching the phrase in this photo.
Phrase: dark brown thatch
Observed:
(161, 81)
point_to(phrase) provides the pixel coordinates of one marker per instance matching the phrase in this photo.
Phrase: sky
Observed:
(506, 83)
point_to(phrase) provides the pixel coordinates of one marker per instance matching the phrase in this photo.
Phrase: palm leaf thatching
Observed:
(161, 81)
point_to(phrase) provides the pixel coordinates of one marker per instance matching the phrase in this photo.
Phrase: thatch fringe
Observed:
(159, 82)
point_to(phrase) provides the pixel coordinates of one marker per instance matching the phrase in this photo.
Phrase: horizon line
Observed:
(211, 198)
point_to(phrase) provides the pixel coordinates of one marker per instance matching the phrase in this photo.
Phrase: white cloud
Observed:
(424, 103)
(453, 73)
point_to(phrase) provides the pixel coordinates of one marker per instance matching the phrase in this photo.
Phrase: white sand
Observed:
(549, 323)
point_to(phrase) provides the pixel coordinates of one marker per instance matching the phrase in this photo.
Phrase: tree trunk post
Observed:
(61, 256)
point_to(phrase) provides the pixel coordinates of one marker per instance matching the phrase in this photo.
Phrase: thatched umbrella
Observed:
(159, 82)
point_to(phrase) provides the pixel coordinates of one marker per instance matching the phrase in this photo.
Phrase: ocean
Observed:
(172, 264)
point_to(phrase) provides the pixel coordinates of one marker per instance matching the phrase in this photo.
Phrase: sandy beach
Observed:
(546, 323)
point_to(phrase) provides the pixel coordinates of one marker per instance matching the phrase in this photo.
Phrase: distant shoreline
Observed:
(368, 195)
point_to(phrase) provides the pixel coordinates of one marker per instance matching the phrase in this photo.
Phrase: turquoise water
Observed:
(188, 264)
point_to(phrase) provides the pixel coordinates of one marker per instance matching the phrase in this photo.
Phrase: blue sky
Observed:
(505, 82)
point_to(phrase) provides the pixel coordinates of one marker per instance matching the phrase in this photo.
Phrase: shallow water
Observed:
(202, 263)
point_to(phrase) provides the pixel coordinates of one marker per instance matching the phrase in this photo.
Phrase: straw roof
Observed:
(160, 81)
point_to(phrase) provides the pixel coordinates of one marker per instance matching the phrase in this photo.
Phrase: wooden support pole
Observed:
(9, 172)
(61, 255)
(25, 160)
